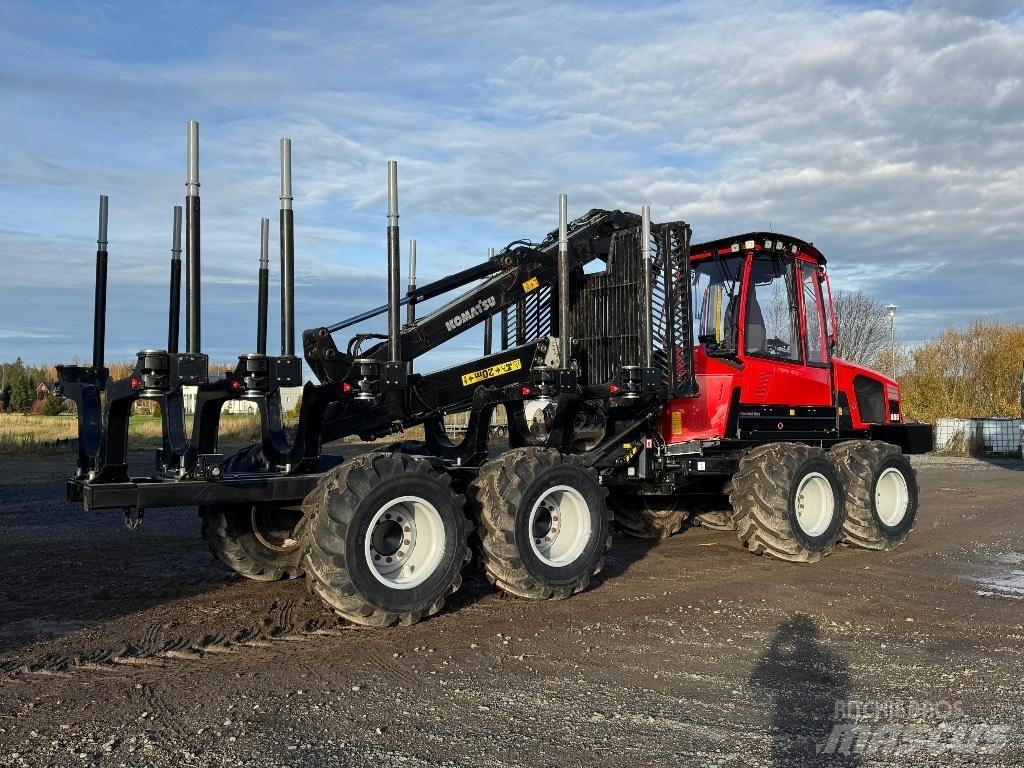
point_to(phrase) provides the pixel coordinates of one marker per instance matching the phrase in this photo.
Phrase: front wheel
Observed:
(543, 522)
(789, 502)
(385, 539)
(881, 493)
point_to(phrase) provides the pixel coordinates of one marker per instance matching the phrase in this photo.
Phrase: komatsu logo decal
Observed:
(475, 311)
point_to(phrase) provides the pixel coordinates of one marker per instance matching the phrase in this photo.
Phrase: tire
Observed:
(255, 541)
(384, 539)
(644, 516)
(715, 520)
(543, 523)
(881, 493)
(249, 459)
(714, 510)
(789, 502)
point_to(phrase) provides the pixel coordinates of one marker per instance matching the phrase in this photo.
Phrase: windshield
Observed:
(716, 298)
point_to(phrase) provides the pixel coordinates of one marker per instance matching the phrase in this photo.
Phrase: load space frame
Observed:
(595, 353)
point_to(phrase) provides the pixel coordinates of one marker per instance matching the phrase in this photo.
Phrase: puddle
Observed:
(1005, 579)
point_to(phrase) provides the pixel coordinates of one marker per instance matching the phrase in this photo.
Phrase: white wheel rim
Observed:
(892, 499)
(559, 526)
(404, 542)
(815, 504)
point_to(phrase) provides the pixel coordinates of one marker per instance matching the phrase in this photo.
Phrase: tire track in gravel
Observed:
(285, 620)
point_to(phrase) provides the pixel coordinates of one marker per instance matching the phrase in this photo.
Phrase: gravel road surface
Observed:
(135, 648)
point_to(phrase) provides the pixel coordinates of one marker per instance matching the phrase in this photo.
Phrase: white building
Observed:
(289, 399)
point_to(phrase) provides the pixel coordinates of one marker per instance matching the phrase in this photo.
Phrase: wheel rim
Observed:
(560, 526)
(815, 504)
(404, 542)
(892, 499)
(273, 527)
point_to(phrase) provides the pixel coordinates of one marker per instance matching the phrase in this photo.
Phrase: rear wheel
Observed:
(788, 501)
(543, 523)
(646, 516)
(257, 541)
(714, 510)
(385, 539)
(881, 493)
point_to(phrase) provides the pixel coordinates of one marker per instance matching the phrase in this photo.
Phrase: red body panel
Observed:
(706, 415)
(846, 372)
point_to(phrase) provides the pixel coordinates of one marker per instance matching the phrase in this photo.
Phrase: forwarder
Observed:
(664, 377)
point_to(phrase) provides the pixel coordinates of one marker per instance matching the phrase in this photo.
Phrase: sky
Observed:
(889, 134)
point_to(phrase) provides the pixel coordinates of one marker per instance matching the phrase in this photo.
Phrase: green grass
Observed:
(22, 434)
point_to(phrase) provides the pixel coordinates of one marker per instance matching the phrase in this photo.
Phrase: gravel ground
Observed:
(135, 648)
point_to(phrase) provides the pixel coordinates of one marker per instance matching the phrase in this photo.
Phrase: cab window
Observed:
(771, 326)
(716, 296)
(814, 324)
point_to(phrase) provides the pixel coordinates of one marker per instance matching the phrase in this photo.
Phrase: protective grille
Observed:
(529, 319)
(678, 335)
(609, 309)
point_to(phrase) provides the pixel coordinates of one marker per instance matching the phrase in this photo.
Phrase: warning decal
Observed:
(500, 369)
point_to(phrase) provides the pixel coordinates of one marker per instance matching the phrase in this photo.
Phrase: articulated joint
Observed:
(152, 375)
(635, 381)
(255, 374)
(367, 386)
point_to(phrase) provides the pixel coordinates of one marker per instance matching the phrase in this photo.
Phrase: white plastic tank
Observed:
(978, 436)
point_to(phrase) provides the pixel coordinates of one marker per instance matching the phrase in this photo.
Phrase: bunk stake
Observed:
(565, 340)
(648, 289)
(489, 321)
(174, 303)
(193, 330)
(410, 317)
(287, 253)
(99, 325)
(394, 269)
(264, 288)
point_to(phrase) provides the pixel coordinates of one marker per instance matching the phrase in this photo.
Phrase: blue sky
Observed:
(889, 134)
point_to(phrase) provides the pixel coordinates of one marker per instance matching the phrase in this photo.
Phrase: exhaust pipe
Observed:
(174, 304)
(193, 329)
(99, 320)
(287, 253)
(648, 276)
(564, 340)
(264, 288)
(410, 316)
(394, 273)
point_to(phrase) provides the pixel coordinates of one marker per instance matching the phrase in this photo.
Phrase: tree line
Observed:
(18, 385)
(965, 373)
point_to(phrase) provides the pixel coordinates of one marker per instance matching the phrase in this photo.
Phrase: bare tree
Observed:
(863, 328)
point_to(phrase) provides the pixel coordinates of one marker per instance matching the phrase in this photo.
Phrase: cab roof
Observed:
(756, 242)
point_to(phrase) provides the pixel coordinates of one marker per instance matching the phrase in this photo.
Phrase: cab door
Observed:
(780, 366)
(815, 337)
